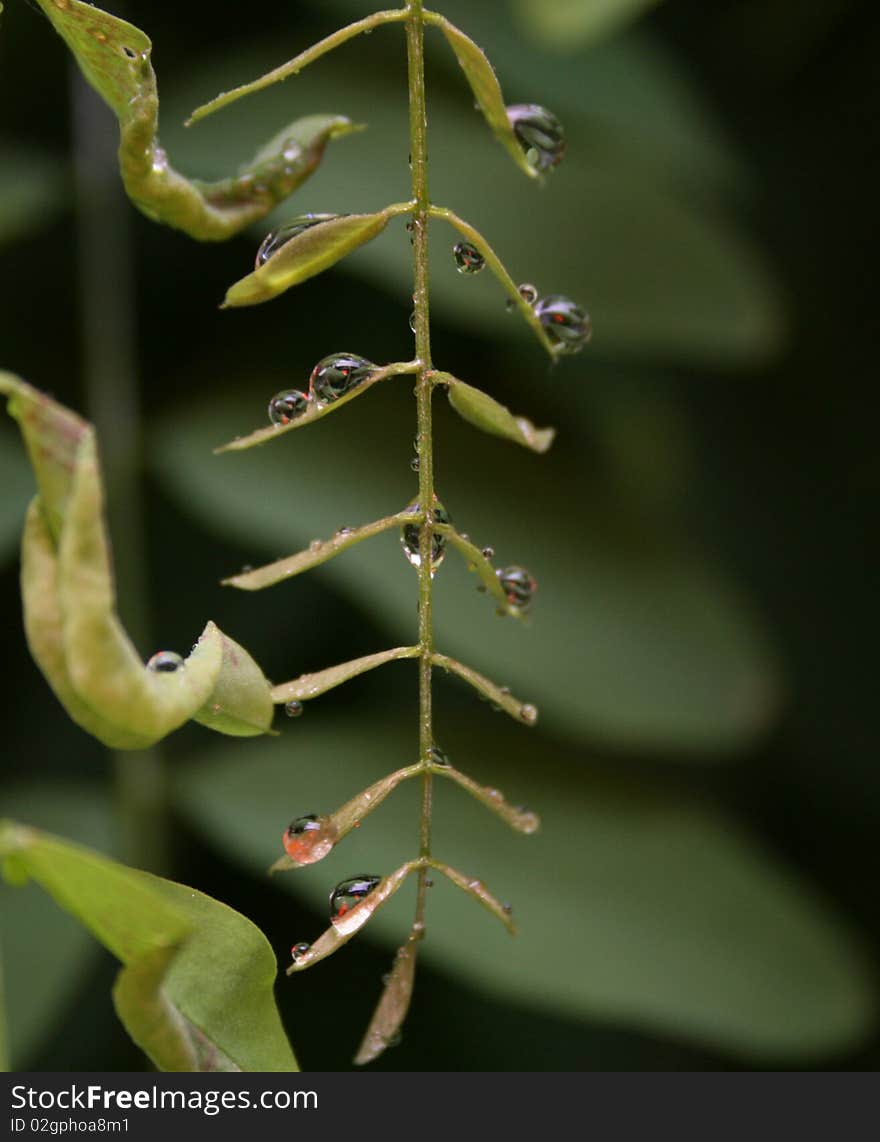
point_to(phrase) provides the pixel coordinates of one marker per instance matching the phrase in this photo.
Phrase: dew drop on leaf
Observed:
(165, 662)
(338, 374)
(409, 538)
(565, 322)
(310, 838)
(528, 292)
(539, 133)
(468, 259)
(287, 406)
(280, 237)
(528, 713)
(518, 585)
(299, 950)
(345, 898)
(294, 709)
(488, 552)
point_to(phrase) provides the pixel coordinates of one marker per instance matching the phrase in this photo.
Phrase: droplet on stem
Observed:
(566, 323)
(518, 586)
(338, 374)
(468, 259)
(309, 838)
(280, 237)
(165, 662)
(299, 950)
(294, 709)
(287, 406)
(345, 898)
(539, 133)
(438, 757)
(409, 538)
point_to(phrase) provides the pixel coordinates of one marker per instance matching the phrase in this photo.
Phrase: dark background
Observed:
(711, 536)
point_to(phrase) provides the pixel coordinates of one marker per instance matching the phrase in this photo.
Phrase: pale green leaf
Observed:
(519, 818)
(487, 413)
(499, 696)
(311, 685)
(475, 888)
(195, 992)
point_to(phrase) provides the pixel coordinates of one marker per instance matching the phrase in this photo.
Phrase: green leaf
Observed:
(196, 989)
(499, 696)
(315, 410)
(311, 685)
(482, 410)
(70, 607)
(32, 188)
(486, 88)
(635, 905)
(567, 25)
(309, 253)
(114, 57)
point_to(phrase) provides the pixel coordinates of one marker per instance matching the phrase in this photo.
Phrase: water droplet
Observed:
(280, 237)
(294, 709)
(539, 133)
(438, 757)
(414, 463)
(528, 713)
(527, 292)
(315, 545)
(468, 259)
(165, 662)
(337, 375)
(344, 531)
(287, 406)
(409, 538)
(488, 552)
(345, 898)
(507, 909)
(412, 321)
(429, 884)
(308, 839)
(566, 323)
(299, 950)
(518, 586)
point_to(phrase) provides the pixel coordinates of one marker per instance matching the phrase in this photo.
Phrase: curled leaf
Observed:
(482, 410)
(517, 816)
(478, 891)
(114, 57)
(316, 410)
(195, 991)
(311, 251)
(70, 606)
(392, 1007)
(486, 88)
(311, 685)
(333, 939)
(316, 553)
(499, 696)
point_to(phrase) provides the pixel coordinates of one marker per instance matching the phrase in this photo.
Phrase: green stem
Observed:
(105, 258)
(418, 130)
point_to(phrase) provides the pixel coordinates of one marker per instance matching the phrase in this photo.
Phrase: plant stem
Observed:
(105, 258)
(418, 130)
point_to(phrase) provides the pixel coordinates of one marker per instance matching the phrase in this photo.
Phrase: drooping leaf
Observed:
(478, 562)
(311, 685)
(486, 88)
(315, 411)
(114, 57)
(475, 888)
(567, 25)
(195, 992)
(485, 412)
(392, 1006)
(499, 696)
(635, 904)
(310, 252)
(520, 818)
(70, 606)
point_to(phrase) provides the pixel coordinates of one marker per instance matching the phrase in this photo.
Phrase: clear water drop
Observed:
(412, 321)
(294, 709)
(310, 838)
(438, 757)
(300, 950)
(165, 662)
(566, 323)
(528, 713)
(414, 463)
(468, 259)
(539, 133)
(409, 538)
(345, 898)
(488, 552)
(527, 292)
(280, 237)
(338, 374)
(287, 406)
(518, 586)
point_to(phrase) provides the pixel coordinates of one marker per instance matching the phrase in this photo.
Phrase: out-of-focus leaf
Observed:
(486, 88)
(638, 641)
(196, 989)
(315, 411)
(392, 1006)
(311, 685)
(482, 410)
(567, 25)
(309, 253)
(69, 605)
(634, 905)
(36, 996)
(114, 56)
(31, 191)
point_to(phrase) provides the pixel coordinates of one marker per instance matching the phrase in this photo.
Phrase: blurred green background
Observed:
(703, 892)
